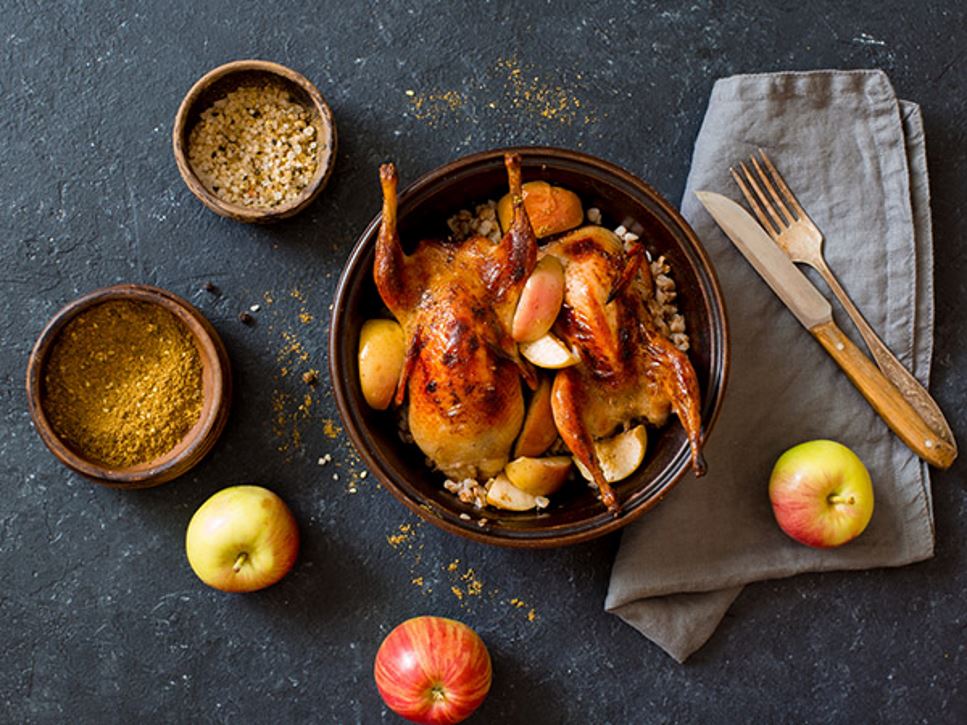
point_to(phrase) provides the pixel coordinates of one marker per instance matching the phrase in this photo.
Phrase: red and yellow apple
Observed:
(241, 539)
(821, 493)
(433, 670)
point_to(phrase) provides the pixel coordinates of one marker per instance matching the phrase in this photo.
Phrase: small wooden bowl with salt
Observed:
(255, 141)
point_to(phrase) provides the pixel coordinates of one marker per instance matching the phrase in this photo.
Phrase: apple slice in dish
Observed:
(381, 354)
(538, 476)
(503, 494)
(540, 300)
(538, 432)
(620, 455)
(549, 352)
(552, 209)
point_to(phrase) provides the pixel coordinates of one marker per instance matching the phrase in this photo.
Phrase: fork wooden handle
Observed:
(886, 400)
(909, 386)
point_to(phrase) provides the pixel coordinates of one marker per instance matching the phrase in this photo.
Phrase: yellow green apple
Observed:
(241, 539)
(821, 493)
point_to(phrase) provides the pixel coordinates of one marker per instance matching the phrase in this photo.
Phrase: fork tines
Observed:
(776, 207)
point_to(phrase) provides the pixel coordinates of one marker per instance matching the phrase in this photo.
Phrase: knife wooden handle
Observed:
(886, 400)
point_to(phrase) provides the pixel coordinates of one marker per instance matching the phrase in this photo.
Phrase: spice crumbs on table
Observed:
(395, 540)
(212, 288)
(310, 377)
(330, 429)
(246, 319)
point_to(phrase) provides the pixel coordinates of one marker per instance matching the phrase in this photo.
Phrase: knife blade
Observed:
(772, 264)
(816, 314)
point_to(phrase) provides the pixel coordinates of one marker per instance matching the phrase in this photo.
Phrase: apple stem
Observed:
(837, 499)
(237, 567)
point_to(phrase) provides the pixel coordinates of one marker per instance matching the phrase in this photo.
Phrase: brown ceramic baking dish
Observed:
(216, 385)
(219, 82)
(575, 514)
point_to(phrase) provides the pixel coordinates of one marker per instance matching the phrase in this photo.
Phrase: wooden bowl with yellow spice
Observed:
(255, 141)
(129, 386)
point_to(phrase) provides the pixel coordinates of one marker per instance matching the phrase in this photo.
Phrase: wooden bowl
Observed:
(216, 391)
(575, 513)
(224, 79)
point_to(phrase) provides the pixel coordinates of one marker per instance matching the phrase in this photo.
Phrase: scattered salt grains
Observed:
(255, 308)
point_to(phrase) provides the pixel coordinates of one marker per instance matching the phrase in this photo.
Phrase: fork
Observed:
(784, 219)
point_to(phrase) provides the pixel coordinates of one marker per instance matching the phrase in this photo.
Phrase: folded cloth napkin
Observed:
(854, 156)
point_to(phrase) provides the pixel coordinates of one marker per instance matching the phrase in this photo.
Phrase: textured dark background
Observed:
(100, 615)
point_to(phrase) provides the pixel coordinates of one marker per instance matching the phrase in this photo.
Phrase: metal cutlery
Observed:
(816, 315)
(783, 218)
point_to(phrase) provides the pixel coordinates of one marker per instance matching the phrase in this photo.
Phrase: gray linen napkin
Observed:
(854, 155)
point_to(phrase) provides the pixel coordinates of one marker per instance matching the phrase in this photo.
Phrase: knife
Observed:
(815, 314)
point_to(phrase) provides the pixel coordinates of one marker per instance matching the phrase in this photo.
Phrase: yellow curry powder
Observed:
(123, 383)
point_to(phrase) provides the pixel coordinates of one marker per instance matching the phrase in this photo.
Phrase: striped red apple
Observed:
(433, 670)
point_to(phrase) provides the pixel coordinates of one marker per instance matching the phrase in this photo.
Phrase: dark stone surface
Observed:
(100, 615)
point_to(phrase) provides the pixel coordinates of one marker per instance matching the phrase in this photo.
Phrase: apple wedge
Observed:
(381, 353)
(504, 495)
(540, 300)
(551, 209)
(549, 352)
(538, 476)
(618, 456)
(538, 432)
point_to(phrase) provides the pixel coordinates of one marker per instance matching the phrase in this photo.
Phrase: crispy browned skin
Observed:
(628, 369)
(455, 303)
